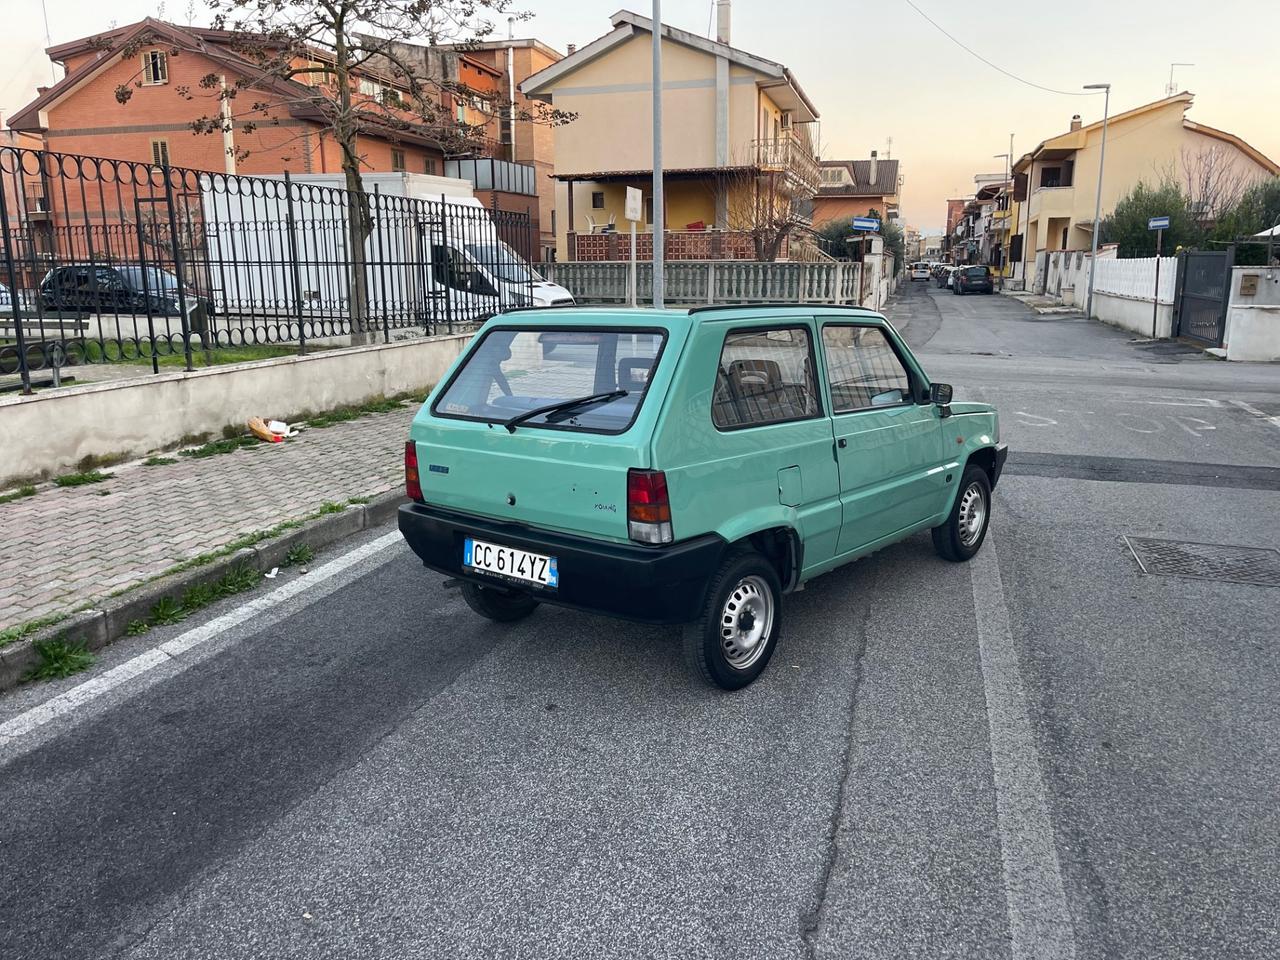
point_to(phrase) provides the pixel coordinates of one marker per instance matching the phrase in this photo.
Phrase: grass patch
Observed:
(215, 448)
(299, 554)
(360, 500)
(58, 658)
(167, 611)
(24, 630)
(330, 507)
(344, 414)
(94, 461)
(80, 479)
(24, 491)
(170, 610)
(159, 461)
(222, 355)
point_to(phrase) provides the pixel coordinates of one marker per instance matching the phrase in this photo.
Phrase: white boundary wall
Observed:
(1253, 320)
(51, 431)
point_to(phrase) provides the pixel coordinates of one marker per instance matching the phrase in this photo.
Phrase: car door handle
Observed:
(842, 443)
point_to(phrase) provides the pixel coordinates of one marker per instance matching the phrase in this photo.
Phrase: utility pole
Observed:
(1097, 204)
(659, 225)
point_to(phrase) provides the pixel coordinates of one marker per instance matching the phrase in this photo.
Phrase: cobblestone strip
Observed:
(63, 548)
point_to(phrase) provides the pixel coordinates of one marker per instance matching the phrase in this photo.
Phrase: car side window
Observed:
(765, 376)
(863, 369)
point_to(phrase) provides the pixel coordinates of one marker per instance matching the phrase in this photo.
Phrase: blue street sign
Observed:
(866, 223)
(1158, 223)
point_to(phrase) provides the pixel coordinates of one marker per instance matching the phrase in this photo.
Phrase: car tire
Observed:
(498, 604)
(960, 538)
(728, 646)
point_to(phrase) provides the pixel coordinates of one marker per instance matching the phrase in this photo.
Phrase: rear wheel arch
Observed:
(782, 547)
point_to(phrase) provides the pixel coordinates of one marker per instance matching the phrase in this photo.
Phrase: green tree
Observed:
(833, 234)
(1258, 209)
(1127, 225)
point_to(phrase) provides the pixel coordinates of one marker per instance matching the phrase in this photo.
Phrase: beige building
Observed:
(736, 128)
(1059, 178)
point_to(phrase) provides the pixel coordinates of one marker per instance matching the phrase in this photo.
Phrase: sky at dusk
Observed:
(877, 70)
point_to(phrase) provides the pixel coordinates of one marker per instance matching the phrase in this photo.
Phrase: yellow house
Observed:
(736, 129)
(1058, 180)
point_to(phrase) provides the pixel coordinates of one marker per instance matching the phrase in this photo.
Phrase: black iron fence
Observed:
(114, 261)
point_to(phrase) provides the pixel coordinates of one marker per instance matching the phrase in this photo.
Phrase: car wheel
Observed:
(961, 536)
(498, 603)
(731, 643)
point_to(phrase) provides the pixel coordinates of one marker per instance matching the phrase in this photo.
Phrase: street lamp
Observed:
(1097, 204)
(1008, 204)
(659, 224)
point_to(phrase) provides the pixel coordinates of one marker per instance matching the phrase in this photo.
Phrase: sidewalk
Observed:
(66, 547)
(1041, 304)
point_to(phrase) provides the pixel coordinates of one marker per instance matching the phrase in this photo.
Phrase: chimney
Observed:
(1075, 122)
(722, 22)
(571, 49)
(874, 176)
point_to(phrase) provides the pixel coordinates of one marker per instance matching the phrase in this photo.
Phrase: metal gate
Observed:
(1203, 287)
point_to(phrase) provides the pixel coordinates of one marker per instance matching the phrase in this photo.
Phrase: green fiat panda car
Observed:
(688, 466)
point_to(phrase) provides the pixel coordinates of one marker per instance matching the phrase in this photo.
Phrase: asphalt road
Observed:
(1043, 753)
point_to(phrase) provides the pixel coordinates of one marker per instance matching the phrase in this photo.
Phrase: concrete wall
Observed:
(50, 432)
(1253, 320)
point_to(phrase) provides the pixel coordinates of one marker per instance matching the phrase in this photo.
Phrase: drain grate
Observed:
(1207, 561)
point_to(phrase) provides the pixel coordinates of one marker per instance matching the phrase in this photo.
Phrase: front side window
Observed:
(863, 369)
(765, 376)
(515, 371)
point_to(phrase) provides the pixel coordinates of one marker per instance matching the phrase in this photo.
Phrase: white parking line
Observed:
(1039, 920)
(1250, 408)
(65, 703)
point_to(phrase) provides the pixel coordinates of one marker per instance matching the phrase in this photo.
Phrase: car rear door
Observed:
(889, 447)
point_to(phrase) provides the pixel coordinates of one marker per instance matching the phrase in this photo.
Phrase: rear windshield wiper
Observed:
(563, 405)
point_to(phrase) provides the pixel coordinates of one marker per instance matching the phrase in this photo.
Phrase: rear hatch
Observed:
(563, 469)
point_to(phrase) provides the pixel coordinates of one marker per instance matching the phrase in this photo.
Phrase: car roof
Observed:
(648, 316)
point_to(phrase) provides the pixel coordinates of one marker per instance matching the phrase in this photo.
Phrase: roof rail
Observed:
(526, 309)
(765, 305)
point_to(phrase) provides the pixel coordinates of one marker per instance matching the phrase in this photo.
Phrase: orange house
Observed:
(851, 188)
(81, 114)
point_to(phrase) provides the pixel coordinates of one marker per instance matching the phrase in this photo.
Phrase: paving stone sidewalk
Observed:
(65, 547)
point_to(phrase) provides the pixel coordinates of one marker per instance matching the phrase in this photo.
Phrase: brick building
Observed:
(81, 114)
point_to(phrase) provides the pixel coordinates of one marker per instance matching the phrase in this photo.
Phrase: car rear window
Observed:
(976, 271)
(513, 371)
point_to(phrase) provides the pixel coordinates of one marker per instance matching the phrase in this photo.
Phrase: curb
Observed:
(108, 621)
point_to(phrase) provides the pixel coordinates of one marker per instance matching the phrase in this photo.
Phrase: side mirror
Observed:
(940, 393)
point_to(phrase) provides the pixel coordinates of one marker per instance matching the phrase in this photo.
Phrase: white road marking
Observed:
(1250, 408)
(1195, 431)
(1044, 421)
(1039, 919)
(65, 703)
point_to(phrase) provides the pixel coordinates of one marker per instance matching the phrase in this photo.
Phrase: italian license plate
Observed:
(510, 563)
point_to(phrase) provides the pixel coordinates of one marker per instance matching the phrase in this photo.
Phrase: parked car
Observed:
(920, 271)
(111, 288)
(945, 275)
(688, 466)
(6, 300)
(973, 278)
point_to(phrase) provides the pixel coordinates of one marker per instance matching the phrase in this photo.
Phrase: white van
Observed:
(920, 270)
(453, 266)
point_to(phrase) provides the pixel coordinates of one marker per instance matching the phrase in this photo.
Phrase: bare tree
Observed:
(768, 205)
(356, 68)
(1212, 182)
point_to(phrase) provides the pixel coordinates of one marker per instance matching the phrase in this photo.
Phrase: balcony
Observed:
(1052, 202)
(788, 155)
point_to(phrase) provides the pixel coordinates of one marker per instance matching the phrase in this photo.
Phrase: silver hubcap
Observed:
(746, 622)
(973, 514)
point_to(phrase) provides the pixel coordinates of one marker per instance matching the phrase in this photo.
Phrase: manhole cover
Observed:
(1207, 561)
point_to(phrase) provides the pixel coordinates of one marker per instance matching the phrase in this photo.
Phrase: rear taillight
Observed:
(648, 507)
(412, 485)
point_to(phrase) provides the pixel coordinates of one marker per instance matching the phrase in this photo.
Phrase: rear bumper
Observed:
(633, 582)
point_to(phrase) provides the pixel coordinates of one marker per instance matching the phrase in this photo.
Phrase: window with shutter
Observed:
(155, 67)
(160, 153)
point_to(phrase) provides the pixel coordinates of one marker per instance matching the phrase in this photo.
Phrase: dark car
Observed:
(972, 279)
(98, 288)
